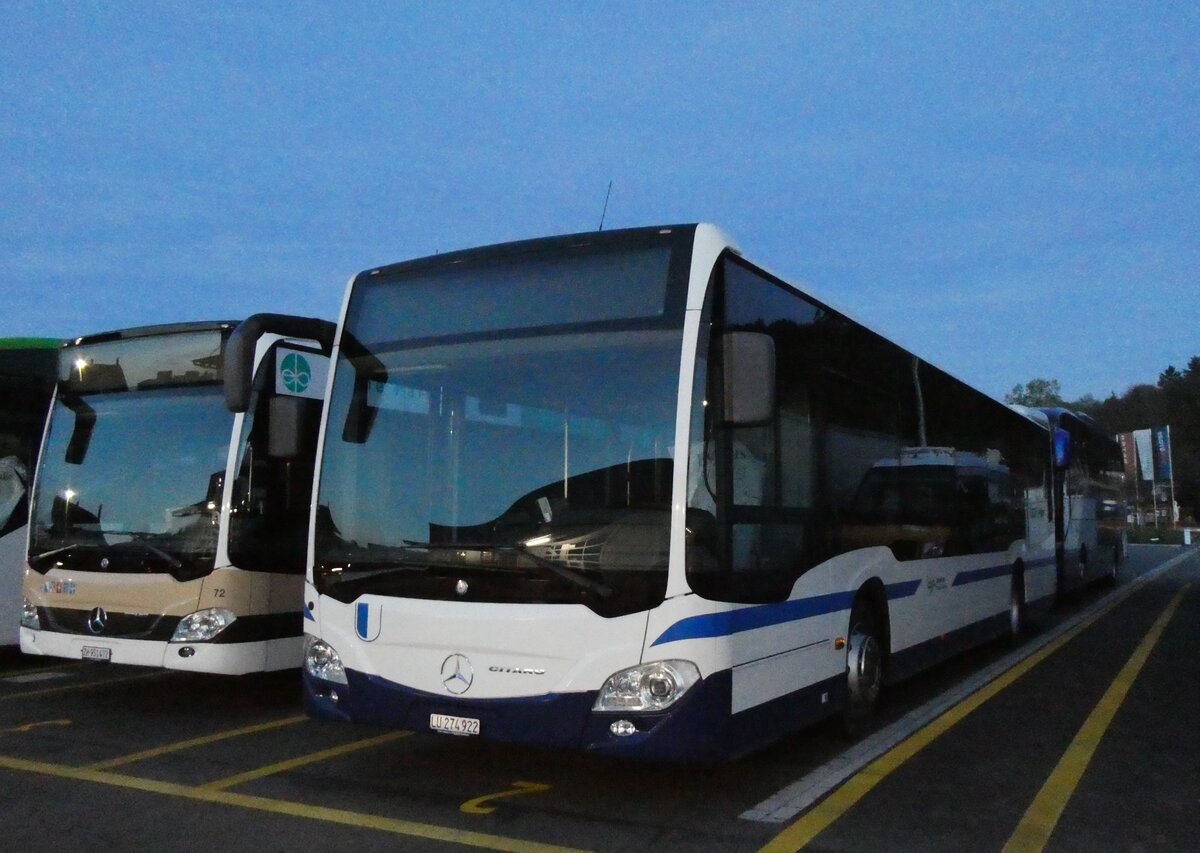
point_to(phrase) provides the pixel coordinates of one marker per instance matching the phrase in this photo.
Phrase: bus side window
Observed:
(751, 494)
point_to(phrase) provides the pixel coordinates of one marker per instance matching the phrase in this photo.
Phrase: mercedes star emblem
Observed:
(96, 620)
(457, 674)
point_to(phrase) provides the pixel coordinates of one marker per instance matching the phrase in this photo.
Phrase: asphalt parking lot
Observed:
(969, 756)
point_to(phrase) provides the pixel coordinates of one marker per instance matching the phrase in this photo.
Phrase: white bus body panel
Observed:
(561, 648)
(240, 591)
(226, 659)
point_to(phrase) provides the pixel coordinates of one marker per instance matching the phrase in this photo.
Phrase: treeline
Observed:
(1173, 401)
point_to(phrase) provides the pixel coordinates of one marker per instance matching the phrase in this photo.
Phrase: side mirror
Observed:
(1062, 448)
(285, 425)
(213, 495)
(216, 487)
(81, 434)
(238, 370)
(749, 378)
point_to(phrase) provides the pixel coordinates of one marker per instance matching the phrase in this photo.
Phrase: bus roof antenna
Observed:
(605, 210)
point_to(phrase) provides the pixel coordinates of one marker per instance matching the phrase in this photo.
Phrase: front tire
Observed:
(864, 668)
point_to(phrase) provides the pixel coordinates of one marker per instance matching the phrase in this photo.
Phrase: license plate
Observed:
(96, 653)
(463, 726)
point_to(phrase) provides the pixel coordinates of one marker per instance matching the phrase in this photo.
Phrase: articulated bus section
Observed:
(167, 530)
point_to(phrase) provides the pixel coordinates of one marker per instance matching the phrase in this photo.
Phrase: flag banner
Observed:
(1145, 453)
(1162, 453)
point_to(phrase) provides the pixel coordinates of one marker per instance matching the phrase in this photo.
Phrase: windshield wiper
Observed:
(571, 575)
(376, 572)
(574, 576)
(170, 559)
(567, 573)
(37, 561)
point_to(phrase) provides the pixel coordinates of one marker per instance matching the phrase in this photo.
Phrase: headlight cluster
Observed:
(649, 687)
(203, 625)
(29, 615)
(322, 661)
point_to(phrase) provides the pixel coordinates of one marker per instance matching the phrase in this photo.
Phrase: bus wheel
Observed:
(864, 668)
(1018, 611)
(1111, 578)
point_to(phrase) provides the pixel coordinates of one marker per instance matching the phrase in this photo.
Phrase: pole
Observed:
(1137, 491)
(1154, 495)
(1171, 473)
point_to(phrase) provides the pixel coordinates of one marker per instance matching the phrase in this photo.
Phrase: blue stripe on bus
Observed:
(730, 622)
(977, 575)
(749, 618)
(308, 614)
(902, 590)
(997, 571)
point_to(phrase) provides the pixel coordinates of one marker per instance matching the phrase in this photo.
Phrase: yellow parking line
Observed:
(67, 688)
(293, 763)
(412, 829)
(1040, 819)
(26, 728)
(811, 824)
(9, 673)
(194, 742)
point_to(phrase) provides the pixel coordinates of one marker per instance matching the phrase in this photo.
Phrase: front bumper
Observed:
(223, 658)
(695, 729)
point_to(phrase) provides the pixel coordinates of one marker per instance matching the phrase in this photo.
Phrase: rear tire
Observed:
(1111, 578)
(864, 668)
(1018, 608)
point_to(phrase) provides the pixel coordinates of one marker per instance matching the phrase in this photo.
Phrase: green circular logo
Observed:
(295, 372)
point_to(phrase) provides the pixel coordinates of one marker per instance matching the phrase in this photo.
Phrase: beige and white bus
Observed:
(165, 529)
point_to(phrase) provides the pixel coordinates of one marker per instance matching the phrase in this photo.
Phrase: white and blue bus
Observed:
(629, 493)
(1089, 502)
(167, 530)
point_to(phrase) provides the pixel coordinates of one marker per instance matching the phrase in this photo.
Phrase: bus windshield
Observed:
(489, 453)
(130, 482)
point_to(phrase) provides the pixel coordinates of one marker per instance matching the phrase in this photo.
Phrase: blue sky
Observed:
(1008, 189)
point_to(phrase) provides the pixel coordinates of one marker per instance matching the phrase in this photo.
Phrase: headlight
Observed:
(322, 661)
(649, 687)
(29, 616)
(203, 625)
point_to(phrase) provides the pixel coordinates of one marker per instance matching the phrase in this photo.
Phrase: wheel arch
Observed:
(874, 593)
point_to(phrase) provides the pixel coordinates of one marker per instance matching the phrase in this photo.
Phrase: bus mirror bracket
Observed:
(1062, 448)
(749, 378)
(285, 424)
(239, 350)
(81, 434)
